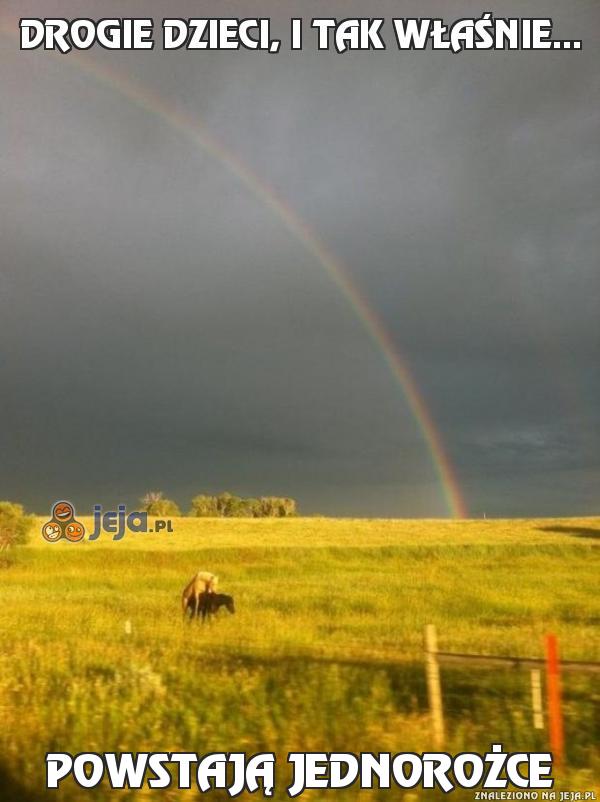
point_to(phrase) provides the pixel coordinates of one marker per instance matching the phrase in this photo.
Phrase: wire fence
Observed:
(546, 700)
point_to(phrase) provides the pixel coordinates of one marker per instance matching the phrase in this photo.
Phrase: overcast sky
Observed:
(160, 328)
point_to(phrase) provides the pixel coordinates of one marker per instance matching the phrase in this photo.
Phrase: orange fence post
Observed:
(555, 721)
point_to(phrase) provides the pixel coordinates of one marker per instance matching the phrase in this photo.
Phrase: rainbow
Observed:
(197, 133)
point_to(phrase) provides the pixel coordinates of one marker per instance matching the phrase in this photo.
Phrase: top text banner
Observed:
(366, 33)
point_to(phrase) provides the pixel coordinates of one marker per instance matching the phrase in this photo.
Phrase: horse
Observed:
(209, 604)
(203, 582)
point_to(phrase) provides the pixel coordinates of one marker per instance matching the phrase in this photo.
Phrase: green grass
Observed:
(324, 652)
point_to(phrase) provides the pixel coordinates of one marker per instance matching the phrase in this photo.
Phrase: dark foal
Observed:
(211, 603)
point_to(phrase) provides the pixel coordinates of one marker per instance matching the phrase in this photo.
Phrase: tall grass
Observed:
(324, 652)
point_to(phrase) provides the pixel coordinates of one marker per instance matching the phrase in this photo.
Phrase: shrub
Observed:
(275, 507)
(204, 507)
(165, 508)
(154, 504)
(15, 525)
(223, 503)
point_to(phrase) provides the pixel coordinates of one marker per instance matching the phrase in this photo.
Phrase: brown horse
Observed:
(209, 604)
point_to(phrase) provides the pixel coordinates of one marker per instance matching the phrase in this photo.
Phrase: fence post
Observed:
(536, 699)
(434, 686)
(555, 722)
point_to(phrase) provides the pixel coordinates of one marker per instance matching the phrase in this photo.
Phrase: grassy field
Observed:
(324, 652)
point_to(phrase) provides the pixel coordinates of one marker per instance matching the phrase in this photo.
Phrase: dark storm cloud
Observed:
(161, 327)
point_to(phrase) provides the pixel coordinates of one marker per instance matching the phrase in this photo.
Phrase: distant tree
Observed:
(204, 507)
(252, 507)
(155, 504)
(239, 508)
(165, 508)
(15, 525)
(224, 502)
(267, 506)
(287, 507)
(151, 497)
(276, 507)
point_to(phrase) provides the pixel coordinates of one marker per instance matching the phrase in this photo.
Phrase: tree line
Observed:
(223, 505)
